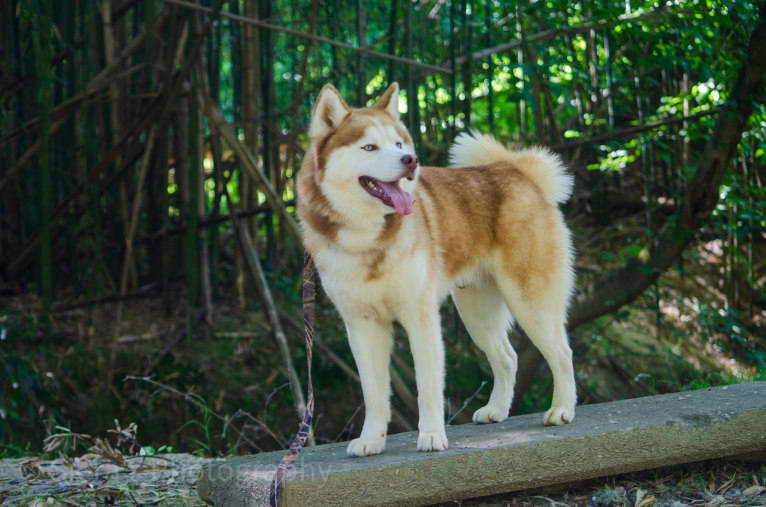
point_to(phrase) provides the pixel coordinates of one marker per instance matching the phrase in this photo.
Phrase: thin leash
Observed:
(299, 441)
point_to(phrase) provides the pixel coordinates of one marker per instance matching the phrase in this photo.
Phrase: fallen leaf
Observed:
(715, 501)
(726, 485)
(648, 500)
(551, 501)
(640, 493)
(754, 490)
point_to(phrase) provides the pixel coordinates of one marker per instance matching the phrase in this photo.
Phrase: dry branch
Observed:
(207, 222)
(250, 255)
(397, 417)
(132, 225)
(28, 155)
(73, 305)
(404, 392)
(308, 36)
(246, 157)
(632, 131)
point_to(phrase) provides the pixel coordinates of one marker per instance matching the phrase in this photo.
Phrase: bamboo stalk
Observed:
(610, 78)
(270, 152)
(191, 253)
(202, 86)
(391, 70)
(235, 46)
(211, 89)
(522, 107)
(163, 218)
(177, 31)
(592, 64)
(8, 67)
(251, 83)
(490, 67)
(93, 263)
(114, 99)
(361, 35)
(42, 45)
(467, 43)
(149, 43)
(67, 157)
(412, 89)
(453, 77)
(204, 260)
(157, 181)
(298, 100)
(537, 95)
(332, 15)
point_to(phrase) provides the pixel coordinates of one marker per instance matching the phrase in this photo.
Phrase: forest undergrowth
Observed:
(225, 390)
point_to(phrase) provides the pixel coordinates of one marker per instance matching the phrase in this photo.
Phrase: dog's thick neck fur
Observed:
(336, 125)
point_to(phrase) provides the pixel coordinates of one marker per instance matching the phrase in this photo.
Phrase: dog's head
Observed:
(363, 160)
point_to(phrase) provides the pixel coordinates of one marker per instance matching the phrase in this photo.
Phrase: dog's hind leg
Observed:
(542, 316)
(487, 319)
(371, 344)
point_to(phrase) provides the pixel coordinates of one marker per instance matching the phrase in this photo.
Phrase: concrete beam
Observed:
(519, 453)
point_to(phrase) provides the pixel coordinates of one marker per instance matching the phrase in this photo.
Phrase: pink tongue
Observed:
(401, 200)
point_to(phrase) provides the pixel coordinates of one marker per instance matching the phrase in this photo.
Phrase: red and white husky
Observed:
(391, 239)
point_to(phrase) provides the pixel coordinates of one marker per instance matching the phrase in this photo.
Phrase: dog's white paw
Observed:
(556, 416)
(366, 446)
(489, 414)
(436, 441)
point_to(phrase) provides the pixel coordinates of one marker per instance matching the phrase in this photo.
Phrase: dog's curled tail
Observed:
(540, 165)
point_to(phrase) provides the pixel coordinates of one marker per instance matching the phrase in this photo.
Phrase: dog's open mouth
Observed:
(389, 193)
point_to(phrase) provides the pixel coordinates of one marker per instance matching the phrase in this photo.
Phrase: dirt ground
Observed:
(708, 483)
(170, 479)
(91, 480)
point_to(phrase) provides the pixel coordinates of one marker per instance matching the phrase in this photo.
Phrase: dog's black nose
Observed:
(410, 162)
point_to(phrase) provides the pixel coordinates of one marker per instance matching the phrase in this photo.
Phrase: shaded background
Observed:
(149, 261)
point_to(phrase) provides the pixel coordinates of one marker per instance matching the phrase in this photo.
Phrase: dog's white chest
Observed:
(378, 285)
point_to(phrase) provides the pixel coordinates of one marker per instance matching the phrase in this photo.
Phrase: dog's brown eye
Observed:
(399, 145)
(369, 147)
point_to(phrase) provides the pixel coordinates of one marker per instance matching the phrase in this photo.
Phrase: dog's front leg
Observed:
(424, 331)
(371, 344)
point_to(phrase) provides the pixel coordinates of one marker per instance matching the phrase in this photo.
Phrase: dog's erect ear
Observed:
(389, 102)
(329, 111)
